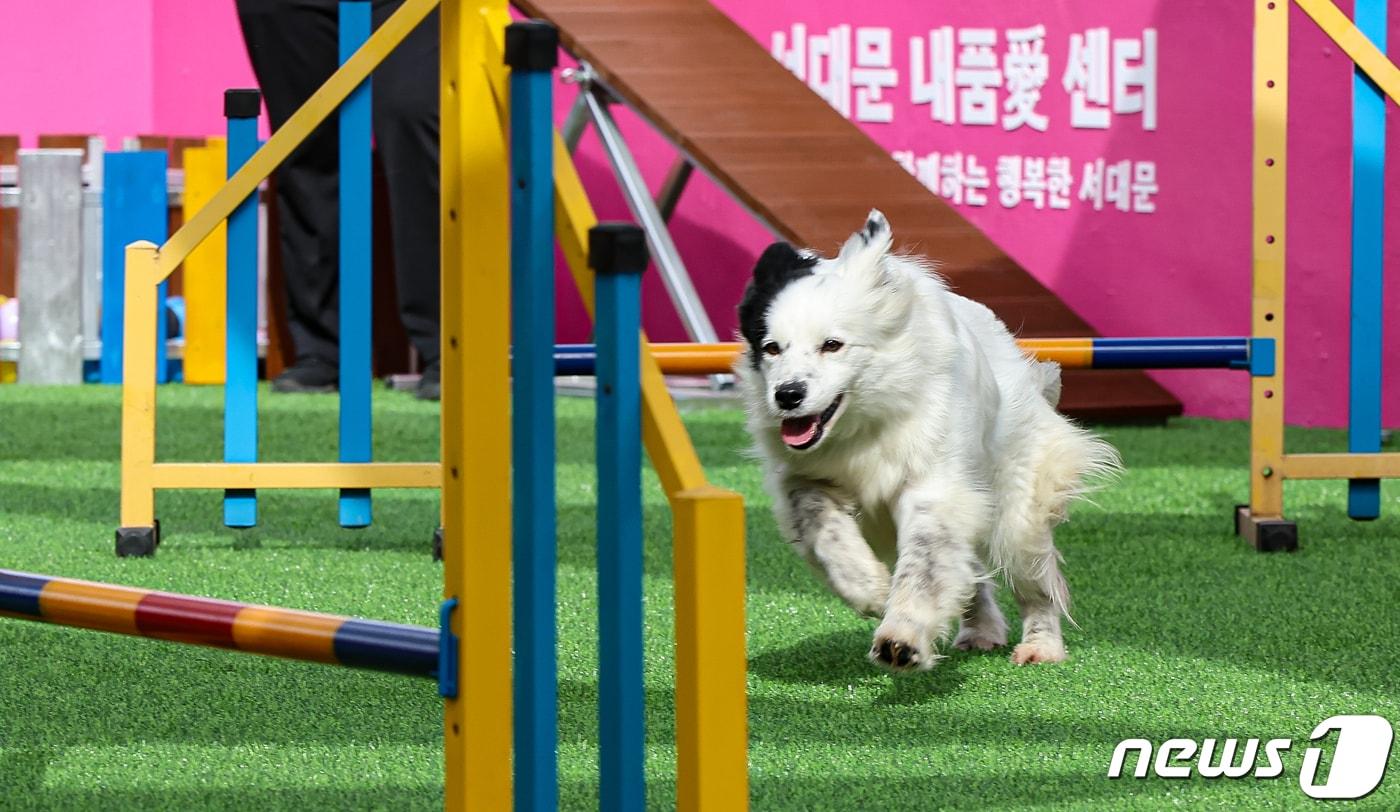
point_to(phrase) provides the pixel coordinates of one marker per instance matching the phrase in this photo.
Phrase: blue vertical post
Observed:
(356, 220)
(618, 254)
(531, 53)
(135, 207)
(241, 108)
(1367, 247)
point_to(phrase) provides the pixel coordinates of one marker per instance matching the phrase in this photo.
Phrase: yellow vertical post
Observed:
(204, 268)
(138, 501)
(1270, 206)
(475, 429)
(711, 691)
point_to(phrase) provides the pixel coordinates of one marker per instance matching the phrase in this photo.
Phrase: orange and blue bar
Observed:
(1220, 352)
(271, 631)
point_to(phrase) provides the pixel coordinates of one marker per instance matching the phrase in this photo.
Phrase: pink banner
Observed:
(1106, 147)
(1004, 108)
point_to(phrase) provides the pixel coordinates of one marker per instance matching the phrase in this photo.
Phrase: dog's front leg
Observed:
(935, 574)
(822, 527)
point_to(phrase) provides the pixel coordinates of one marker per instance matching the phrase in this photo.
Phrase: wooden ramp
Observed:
(808, 173)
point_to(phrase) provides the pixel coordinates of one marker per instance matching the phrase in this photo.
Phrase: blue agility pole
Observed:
(134, 207)
(531, 52)
(241, 108)
(618, 254)
(1367, 260)
(356, 227)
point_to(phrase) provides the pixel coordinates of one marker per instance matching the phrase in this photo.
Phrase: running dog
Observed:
(911, 450)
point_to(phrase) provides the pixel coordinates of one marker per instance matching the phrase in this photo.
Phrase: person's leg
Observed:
(292, 46)
(406, 135)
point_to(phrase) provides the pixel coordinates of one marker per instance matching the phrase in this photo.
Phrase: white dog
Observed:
(899, 424)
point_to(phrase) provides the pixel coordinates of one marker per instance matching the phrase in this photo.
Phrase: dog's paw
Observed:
(898, 647)
(980, 639)
(1040, 651)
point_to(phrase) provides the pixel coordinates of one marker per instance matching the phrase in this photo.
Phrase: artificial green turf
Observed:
(1185, 632)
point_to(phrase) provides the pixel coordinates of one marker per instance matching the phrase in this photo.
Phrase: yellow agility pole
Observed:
(138, 499)
(1270, 170)
(204, 268)
(236, 475)
(476, 472)
(712, 733)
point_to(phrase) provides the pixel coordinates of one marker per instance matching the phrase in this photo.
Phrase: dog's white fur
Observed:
(945, 459)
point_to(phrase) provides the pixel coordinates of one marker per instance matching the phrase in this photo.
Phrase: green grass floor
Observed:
(1184, 632)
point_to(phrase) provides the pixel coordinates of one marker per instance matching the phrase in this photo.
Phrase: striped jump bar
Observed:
(289, 633)
(1230, 352)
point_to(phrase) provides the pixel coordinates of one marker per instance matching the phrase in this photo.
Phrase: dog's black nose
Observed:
(790, 394)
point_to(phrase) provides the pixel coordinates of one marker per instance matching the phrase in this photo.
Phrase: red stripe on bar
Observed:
(203, 621)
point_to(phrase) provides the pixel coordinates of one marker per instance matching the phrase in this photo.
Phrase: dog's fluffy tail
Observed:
(1067, 463)
(1074, 464)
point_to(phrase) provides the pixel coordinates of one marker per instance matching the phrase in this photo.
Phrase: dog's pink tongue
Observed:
(799, 430)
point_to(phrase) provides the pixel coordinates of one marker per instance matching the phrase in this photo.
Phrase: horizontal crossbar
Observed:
(268, 630)
(1341, 466)
(1226, 352)
(253, 475)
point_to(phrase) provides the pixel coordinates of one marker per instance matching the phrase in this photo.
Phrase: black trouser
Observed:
(292, 45)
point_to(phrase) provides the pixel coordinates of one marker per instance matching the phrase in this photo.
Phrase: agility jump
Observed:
(484, 241)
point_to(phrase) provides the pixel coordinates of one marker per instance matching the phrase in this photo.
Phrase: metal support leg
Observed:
(644, 209)
(576, 121)
(671, 188)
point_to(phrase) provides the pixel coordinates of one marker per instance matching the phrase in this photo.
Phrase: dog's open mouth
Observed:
(801, 433)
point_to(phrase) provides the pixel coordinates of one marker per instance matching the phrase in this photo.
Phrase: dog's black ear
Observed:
(778, 267)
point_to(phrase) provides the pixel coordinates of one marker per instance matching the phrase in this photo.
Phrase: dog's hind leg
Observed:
(935, 576)
(983, 625)
(1043, 596)
(823, 529)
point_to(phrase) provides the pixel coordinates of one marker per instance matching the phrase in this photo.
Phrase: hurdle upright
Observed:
(148, 266)
(1262, 521)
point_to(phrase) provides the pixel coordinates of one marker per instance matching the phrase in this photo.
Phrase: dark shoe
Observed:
(308, 376)
(430, 385)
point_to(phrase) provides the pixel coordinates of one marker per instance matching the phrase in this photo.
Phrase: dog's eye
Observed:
(772, 348)
(832, 345)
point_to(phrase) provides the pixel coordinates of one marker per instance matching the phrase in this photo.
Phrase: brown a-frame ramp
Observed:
(806, 171)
